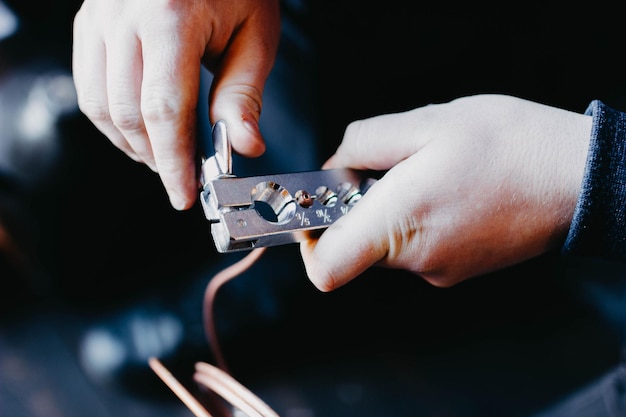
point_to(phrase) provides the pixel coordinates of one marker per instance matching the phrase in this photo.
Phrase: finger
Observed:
(169, 95)
(237, 88)
(89, 74)
(378, 143)
(124, 74)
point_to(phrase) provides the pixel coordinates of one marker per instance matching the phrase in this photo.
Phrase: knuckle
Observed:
(253, 98)
(169, 166)
(248, 94)
(157, 109)
(125, 117)
(94, 110)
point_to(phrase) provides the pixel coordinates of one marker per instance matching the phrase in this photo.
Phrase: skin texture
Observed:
(471, 186)
(136, 66)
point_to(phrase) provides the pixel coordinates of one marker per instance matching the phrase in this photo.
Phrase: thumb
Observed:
(352, 244)
(238, 83)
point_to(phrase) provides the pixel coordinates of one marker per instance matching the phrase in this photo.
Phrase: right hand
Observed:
(136, 66)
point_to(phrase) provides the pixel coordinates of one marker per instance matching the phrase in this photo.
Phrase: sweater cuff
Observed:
(598, 228)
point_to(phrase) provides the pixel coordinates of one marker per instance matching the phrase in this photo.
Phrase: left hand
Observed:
(472, 186)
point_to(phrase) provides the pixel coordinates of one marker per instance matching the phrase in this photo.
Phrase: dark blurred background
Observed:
(99, 272)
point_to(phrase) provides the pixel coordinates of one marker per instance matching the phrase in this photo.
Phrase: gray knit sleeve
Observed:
(598, 229)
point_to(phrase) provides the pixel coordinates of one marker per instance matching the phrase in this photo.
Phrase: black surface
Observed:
(107, 245)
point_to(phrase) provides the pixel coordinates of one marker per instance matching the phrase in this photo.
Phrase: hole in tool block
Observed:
(304, 198)
(273, 202)
(348, 193)
(326, 196)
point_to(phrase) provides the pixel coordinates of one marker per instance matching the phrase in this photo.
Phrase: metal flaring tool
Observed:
(269, 210)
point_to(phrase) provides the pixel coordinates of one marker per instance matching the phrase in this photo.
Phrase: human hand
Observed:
(136, 66)
(472, 186)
